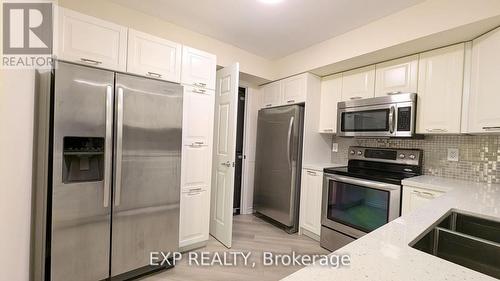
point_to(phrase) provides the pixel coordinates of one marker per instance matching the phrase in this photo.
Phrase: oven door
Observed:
(356, 206)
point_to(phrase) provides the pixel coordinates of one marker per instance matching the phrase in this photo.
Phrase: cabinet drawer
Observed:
(414, 198)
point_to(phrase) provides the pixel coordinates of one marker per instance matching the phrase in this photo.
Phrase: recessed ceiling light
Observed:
(271, 1)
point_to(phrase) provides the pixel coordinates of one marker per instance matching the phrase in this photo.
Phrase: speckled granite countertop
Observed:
(384, 254)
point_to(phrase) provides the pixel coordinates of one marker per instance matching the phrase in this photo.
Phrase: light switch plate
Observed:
(335, 147)
(453, 154)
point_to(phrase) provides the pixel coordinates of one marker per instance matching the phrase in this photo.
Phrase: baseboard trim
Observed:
(193, 246)
(309, 234)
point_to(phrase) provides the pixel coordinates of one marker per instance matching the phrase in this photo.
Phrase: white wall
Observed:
(16, 143)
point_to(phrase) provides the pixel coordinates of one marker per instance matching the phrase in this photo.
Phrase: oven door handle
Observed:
(363, 182)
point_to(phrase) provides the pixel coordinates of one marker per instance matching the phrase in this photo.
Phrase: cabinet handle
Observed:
(154, 74)
(290, 101)
(268, 105)
(436, 130)
(311, 173)
(327, 130)
(424, 194)
(199, 91)
(394, 93)
(89, 61)
(492, 128)
(356, 98)
(195, 189)
(199, 84)
(197, 144)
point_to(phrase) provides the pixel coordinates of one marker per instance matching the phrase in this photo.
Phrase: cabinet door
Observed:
(198, 68)
(413, 198)
(310, 202)
(196, 163)
(92, 41)
(197, 123)
(440, 81)
(153, 56)
(358, 83)
(484, 113)
(194, 217)
(271, 94)
(294, 89)
(396, 76)
(331, 92)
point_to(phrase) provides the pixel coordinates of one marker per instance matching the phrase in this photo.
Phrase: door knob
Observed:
(227, 164)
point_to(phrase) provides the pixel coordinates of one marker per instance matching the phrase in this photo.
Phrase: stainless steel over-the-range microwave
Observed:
(388, 116)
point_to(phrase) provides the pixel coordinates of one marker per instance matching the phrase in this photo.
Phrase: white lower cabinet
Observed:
(310, 202)
(415, 197)
(194, 216)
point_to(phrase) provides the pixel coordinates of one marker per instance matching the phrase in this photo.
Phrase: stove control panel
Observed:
(388, 155)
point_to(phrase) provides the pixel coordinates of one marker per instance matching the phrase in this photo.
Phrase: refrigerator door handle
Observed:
(108, 145)
(288, 143)
(119, 150)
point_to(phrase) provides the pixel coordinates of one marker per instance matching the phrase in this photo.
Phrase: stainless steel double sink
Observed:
(464, 239)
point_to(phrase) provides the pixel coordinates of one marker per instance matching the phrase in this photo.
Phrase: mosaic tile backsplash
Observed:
(479, 156)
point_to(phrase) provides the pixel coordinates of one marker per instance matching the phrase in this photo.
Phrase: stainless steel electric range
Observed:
(365, 194)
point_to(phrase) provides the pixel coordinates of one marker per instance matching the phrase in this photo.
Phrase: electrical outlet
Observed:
(453, 154)
(335, 147)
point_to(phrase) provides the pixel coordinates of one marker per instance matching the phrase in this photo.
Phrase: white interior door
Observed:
(226, 107)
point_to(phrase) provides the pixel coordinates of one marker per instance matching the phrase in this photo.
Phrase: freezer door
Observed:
(78, 240)
(148, 139)
(279, 142)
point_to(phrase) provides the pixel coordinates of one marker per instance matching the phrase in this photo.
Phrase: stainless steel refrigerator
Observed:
(107, 177)
(277, 165)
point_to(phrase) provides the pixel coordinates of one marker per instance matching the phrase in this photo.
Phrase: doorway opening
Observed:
(238, 172)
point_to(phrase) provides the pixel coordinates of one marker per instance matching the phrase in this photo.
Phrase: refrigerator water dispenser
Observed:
(83, 159)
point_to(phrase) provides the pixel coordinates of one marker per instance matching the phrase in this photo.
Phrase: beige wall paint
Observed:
(226, 54)
(416, 22)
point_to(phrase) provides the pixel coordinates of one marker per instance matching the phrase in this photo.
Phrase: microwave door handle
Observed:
(391, 119)
(288, 143)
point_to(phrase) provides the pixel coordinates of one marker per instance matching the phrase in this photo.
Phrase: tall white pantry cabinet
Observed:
(198, 78)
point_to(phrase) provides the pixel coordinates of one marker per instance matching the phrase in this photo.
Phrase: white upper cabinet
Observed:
(358, 83)
(90, 40)
(153, 56)
(294, 89)
(271, 94)
(484, 100)
(198, 68)
(331, 94)
(440, 87)
(396, 76)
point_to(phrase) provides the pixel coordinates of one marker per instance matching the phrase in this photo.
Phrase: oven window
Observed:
(356, 206)
(366, 121)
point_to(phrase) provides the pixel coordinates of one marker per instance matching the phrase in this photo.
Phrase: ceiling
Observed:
(269, 30)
